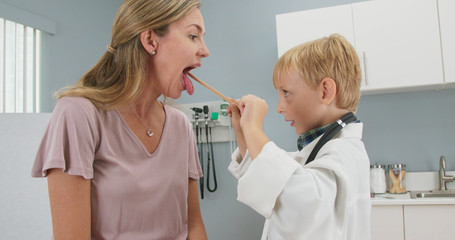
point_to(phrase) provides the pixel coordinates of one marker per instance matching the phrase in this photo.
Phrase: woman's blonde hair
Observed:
(328, 57)
(119, 75)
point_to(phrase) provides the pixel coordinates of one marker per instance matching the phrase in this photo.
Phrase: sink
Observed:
(433, 194)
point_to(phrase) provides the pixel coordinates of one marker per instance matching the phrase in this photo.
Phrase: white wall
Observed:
(24, 201)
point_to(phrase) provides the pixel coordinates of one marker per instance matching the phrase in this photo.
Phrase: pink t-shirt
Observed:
(134, 194)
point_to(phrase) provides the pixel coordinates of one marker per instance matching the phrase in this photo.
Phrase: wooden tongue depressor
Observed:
(213, 90)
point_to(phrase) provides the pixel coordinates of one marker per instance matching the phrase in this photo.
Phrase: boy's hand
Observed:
(247, 123)
(253, 110)
(234, 113)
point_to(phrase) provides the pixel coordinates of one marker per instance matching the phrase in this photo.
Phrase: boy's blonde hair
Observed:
(328, 57)
(120, 73)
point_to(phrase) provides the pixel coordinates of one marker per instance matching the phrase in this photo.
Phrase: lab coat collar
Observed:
(352, 130)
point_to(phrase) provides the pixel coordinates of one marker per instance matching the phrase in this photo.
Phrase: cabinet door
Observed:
(425, 222)
(447, 24)
(387, 222)
(400, 43)
(298, 27)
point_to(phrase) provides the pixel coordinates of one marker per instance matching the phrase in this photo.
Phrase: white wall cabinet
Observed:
(398, 42)
(387, 222)
(412, 222)
(298, 27)
(429, 222)
(447, 25)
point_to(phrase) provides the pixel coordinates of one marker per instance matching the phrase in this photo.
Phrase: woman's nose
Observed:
(204, 51)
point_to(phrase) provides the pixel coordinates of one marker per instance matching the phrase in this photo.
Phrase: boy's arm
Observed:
(253, 111)
(255, 139)
(234, 113)
(268, 176)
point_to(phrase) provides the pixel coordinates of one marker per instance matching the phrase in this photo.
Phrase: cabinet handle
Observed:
(364, 64)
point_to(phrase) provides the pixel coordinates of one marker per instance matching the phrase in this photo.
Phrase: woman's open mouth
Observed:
(186, 82)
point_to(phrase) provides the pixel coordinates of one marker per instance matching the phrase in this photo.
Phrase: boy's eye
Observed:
(286, 93)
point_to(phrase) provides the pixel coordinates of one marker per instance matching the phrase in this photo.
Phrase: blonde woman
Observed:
(120, 163)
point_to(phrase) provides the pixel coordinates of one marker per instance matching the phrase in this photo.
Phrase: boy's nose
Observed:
(279, 108)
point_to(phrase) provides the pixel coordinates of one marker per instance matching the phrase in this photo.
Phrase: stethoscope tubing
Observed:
(332, 130)
(212, 160)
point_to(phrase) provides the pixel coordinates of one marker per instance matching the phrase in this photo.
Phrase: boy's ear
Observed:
(149, 40)
(328, 89)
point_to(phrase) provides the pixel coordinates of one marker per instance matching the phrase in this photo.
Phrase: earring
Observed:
(153, 53)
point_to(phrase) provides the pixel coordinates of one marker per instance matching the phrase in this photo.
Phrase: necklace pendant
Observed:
(149, 132)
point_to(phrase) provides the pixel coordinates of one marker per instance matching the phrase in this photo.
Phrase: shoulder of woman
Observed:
(75, 104)
(174, 112)
(75, 107)
(177, 117)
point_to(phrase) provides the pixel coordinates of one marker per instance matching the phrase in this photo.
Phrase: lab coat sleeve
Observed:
(239, 165)
(262, 180)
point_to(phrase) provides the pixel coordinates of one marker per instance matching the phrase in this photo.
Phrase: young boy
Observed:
(318, 83)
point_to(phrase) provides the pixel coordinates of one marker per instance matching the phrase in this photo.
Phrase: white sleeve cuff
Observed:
(262, 183)
(238, 166)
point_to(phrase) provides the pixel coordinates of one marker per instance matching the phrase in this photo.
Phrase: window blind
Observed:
(19, 68)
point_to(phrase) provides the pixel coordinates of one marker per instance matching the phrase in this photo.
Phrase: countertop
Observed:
(416, 181)
(405, 199)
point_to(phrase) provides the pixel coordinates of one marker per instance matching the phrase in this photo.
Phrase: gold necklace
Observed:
(149, 131)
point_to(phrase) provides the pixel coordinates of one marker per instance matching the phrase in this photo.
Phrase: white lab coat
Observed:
(326, 199)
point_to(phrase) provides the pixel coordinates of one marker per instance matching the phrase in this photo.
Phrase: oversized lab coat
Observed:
(328, 198)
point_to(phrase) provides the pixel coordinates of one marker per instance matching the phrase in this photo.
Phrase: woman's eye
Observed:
(192, 36)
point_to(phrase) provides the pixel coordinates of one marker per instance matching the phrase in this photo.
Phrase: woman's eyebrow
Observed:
(199, 28)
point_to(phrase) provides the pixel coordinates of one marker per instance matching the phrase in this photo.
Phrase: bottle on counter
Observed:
(396, 175)
(377, 179)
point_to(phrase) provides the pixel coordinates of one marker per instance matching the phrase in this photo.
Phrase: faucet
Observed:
(443, 178)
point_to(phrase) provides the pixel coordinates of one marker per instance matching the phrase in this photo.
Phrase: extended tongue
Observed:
(188, 85)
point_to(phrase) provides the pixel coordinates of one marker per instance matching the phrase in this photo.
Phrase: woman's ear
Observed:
(149, 41)
(328, 89)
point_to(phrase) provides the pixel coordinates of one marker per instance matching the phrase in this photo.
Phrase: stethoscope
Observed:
(331, 131)
(200, 146)
(210, 156)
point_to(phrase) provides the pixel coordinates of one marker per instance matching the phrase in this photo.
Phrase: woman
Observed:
(121, 164)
